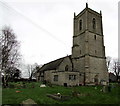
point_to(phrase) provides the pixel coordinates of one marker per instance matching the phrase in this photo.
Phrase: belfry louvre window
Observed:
(80, 25)
(55, 77)
(72, 77)
(94, 23)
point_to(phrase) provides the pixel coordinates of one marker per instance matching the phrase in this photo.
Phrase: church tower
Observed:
(88, 51)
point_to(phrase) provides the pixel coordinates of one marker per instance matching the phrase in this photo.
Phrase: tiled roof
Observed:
(53, 64)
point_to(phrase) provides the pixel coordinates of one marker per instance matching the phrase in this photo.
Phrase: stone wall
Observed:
(63, 77)
(96, 47)
(97, 66)
(63, 74)
(77, 19)
(98, 18)
(48, 75)
(64, 63)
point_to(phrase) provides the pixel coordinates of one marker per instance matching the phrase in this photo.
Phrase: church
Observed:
(87, 63)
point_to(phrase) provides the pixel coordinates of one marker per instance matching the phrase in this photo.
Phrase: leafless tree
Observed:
(32, 70)
(9, 51)
(116, 68)
(29, 69)
(108, 60)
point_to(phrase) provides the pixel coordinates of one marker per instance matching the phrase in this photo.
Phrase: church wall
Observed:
(79, 64)
(72, 82)
(97, 66)
(77, 31)
(78, 45)
(96, 47)
(92, 15)
(48, 75)
(63, 77)
(66, 63)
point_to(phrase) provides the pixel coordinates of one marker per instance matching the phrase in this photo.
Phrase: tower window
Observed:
(80, 51)
(95, 51)
(94, 23)
(80, 25)
(95, 37)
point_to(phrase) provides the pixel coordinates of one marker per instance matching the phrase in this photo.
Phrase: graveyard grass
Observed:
(93, 96)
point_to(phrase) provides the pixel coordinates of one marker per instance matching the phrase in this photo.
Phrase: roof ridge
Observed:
(55, 60)
(52, 65)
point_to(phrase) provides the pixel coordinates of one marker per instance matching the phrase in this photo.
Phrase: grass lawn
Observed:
(93, 96)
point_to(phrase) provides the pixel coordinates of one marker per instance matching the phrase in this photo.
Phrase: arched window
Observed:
(94, 23)
(80, 25)
(66, 68)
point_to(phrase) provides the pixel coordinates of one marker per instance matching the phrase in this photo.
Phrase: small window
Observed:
(55, 77)
(66, 68)
(95, 37)
(94, 23)
(80, 51)
(72, 77)
(80, 25)
(95, 51)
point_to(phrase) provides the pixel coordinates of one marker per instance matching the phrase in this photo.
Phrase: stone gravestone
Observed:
(28, 101)
(106, 88)
(58, 97)
(42, 85)
(104, 83)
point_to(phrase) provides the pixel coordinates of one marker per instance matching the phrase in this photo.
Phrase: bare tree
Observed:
(9, 51)
(32, 70)
(116, 68)
(108, 60)
(14, 73)
(29, 69)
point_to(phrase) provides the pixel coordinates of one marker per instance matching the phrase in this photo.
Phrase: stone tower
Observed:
(88, 51)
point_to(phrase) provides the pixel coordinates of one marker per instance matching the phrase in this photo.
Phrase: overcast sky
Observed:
(45, 27)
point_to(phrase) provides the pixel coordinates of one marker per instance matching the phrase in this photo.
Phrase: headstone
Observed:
(59, 97)
(58, 94)
(42, 85)
(104, 83)
(28, 101)
(106, 89)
